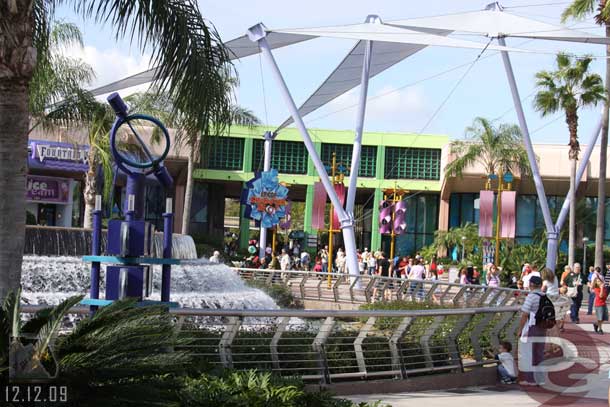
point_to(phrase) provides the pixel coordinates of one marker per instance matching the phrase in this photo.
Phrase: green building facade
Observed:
(410, 161)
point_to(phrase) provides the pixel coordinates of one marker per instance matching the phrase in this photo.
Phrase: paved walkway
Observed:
(587, 344)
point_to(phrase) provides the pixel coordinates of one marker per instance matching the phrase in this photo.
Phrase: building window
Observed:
(223, 153)
(368, 157)
(288, 157)
(462, 209)
(412, 163)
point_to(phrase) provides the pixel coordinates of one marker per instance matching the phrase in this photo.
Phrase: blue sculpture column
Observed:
(168, 225)
(96, 244)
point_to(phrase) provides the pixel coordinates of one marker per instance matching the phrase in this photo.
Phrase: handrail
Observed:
(300, 313)
(330, 345)
(357, 289)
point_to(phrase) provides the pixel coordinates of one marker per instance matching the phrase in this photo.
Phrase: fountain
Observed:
(130, 259)
(61, 241)
(195, 283)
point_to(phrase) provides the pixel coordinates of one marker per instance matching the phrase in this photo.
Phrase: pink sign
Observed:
(47, 189)
(486, 210)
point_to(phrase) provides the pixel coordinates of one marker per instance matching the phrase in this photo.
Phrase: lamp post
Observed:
(585, 240)
(463, 246)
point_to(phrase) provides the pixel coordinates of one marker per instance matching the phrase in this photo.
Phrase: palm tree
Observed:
(579, 9)
(496, 148)
(98, 158)
(56, 92)
(192, 64)
(569, 88)
(160, 105)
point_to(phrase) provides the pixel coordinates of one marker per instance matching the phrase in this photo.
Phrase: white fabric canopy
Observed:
(379, 32)
(489, 23)
(239, 47)
(494, 22)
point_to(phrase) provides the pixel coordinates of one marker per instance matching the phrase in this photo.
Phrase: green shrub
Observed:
(251, 388)
(279, 292)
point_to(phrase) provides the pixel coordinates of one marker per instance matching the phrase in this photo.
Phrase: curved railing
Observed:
(331, 345)
(314, 286)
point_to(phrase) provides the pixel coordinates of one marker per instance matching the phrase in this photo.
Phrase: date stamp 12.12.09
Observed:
(33, 394)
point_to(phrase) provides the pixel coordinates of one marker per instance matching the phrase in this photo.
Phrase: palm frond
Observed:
(191, 59)
(578, 10)
(49, 330)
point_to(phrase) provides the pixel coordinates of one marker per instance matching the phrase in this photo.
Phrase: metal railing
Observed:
(329, 346)
(309, 285)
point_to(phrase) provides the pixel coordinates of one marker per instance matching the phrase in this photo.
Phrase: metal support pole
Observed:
(258, 34)
(544, 205)
(96, 245)
(166, 269)
(579, 173)
(262, 241)
(356, 150)
(136, 187)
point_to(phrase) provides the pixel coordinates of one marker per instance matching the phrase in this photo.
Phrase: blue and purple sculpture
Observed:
(129, 248)
(265, 198)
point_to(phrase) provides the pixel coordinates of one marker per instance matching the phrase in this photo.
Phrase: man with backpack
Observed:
(537, 316)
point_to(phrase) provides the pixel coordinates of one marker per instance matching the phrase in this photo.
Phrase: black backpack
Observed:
(545, 316)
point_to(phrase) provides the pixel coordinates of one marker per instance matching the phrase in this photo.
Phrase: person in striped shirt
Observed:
(531, 346)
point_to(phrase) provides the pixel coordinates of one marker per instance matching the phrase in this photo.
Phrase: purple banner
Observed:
(47, 189)
(61, 156)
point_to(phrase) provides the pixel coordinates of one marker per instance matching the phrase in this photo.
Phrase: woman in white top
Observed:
(550, 285)
(493, 276)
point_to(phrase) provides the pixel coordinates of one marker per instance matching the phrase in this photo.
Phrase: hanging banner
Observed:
(509, 199)
(340, 190)
(265, 198)
(319, 206)
(486, 213)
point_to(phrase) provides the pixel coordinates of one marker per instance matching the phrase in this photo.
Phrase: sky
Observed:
(403, 98)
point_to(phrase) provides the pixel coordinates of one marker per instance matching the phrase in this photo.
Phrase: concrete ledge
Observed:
(480, 376)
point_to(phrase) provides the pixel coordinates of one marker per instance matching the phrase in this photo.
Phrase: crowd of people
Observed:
(538, 317)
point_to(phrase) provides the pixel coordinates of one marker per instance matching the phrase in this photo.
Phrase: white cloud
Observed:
(111, 65)
(387, 109)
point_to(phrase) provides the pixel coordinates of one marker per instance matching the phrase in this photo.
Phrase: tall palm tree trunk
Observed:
(17, 61)
(572, 121)
(13, 168)
(89, 197)
(188, 191)
(600, 224)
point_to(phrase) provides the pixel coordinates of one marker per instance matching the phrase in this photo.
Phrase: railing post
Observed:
(456, 298)
(486, 293)
(336, 284)
(475, 336)
(369, 289)
(224, 347)
(424, 341)
(494, 334)
(358, 344)
(430, 292)
(453, 339)
(397, 360)
(281, 327)
(351, 287)
(319, 347)
(444, 294)
(302, 286)
(401, 290)
(512, 333)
